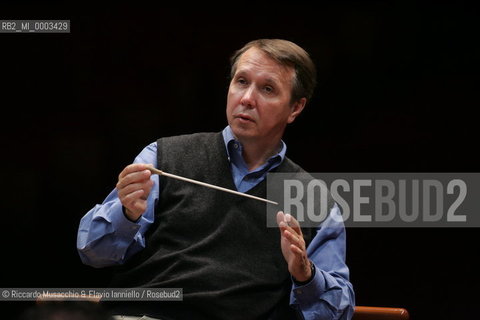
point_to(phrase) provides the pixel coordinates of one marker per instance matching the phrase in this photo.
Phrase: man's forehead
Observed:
(266, 76)
(257, 61)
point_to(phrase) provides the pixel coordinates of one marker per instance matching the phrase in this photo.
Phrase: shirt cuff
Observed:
(123, 227)
(308, 293)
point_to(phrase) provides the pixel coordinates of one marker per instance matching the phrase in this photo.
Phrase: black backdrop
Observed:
(397, 93)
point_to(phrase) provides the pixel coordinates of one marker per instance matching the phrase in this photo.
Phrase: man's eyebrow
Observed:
(270, 80)
(240, 73)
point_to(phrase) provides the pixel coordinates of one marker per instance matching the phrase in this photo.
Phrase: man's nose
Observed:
(248, 98)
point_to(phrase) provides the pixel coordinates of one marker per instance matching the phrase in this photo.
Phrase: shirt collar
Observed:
(230, 140)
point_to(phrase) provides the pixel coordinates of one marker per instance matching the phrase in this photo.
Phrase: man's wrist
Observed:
(312, 275)
(126, 214)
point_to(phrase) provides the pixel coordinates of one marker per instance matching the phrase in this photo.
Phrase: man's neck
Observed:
(256, 154)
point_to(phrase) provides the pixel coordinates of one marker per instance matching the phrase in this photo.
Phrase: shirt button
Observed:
(299, 291)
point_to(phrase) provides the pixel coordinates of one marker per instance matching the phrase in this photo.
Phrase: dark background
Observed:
(398, 89)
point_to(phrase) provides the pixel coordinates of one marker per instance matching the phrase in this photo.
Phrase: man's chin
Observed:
(243, 133)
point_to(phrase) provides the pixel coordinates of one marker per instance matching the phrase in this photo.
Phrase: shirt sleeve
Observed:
(329, 295)
(105, 236)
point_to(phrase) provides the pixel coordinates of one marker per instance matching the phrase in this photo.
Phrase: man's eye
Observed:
(268, 89)
(242, 81)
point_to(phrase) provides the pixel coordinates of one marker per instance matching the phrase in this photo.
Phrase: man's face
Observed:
(258, 101)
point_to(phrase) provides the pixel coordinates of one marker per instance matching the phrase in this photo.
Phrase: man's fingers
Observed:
(134, 202)
(135, 209)
(133, 168)
(133, 177)
(287, 220)
(282, 221)
(297, 251)
(280, 217)
(145, 186)
(134, 186)
(140, 205)
(128, 199)
(294, 239)
(293, 223)
(284, 227)
(147, 189)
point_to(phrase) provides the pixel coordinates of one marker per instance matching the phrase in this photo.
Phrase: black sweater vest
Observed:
(214, 245)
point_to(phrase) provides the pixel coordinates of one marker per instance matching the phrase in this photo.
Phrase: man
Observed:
(216, 246)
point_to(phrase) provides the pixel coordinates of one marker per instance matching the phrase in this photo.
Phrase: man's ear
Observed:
(296, 109)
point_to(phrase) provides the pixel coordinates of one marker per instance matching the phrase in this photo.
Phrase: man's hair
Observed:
(289, 54)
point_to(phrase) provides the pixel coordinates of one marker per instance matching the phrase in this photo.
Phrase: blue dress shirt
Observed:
(106, 237)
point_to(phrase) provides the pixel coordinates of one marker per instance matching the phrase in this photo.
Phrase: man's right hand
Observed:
(133, 188)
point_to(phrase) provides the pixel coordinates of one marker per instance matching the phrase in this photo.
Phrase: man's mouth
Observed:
(244, 117)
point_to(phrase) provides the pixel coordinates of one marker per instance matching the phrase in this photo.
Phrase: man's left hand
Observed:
(293, 247)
